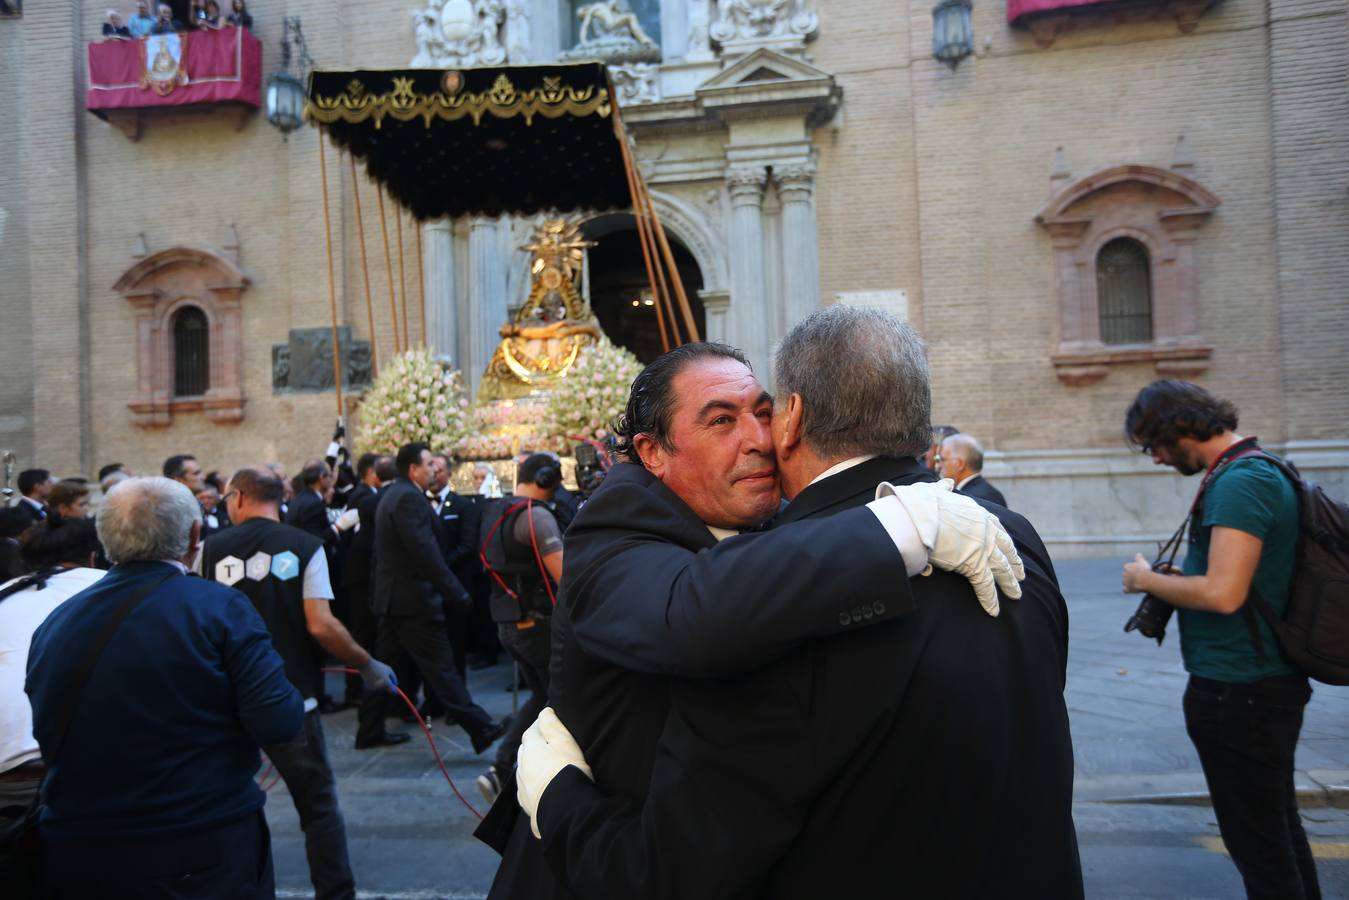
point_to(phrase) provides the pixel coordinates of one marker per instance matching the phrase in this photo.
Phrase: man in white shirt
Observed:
(61, 553)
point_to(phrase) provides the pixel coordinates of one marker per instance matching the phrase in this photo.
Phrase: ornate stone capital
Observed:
(795, 183)
(746, 185)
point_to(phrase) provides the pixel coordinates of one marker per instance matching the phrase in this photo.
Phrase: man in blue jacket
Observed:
(151, 791)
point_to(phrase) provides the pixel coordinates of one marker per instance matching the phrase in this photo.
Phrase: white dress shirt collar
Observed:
(842, 467)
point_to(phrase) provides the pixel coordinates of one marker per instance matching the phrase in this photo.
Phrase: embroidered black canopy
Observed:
(486, 141)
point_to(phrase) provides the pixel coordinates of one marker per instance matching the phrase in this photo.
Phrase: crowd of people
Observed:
(772, 654)
(201, 15)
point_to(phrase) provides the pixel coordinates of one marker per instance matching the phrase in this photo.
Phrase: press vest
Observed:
(266, 561)
(516, 564)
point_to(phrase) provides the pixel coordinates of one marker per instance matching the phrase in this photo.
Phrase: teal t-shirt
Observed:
(1253, 496)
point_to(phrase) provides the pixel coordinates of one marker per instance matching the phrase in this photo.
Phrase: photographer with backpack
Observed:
(1244, 702)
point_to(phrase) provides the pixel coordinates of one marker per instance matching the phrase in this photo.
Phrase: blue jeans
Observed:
(1246, 736)
(303, 765)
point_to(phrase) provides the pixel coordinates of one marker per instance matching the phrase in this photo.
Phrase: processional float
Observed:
(488, 142)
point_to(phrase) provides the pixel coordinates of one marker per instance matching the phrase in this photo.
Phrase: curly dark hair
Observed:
(1168, 410)
(57, 539)
(651, 401)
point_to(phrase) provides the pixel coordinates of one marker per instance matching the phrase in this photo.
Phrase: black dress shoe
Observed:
(489, 735)
(387, 739)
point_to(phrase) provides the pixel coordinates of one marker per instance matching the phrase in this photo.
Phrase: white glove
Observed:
(546, 748)
(961, 537)
(350, 518)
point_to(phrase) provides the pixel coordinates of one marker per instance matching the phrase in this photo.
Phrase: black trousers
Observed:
(303, 764)
(228, 862)
(364, 629)
(422, 638)
(1246, 736)
(532, 647)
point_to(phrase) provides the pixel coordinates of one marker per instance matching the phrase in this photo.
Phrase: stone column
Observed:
(800, 243)
(487, 296)
(747, 322)
(442, 321)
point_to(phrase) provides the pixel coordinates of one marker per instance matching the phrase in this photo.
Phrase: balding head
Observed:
(145, 519)
(254, 492)
(961, 457)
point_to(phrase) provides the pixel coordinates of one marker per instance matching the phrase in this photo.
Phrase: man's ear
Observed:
(653, 456)
(788, 427)
(193, 543)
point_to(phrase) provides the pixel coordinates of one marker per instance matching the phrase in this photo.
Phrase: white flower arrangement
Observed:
(592, 396)
(415, 398)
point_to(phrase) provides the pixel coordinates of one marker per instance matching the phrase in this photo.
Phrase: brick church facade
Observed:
(1098, 195)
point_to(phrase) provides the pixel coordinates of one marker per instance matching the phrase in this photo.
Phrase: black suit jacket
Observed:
(979, 488)
(647, 591)
(925, 757)
(358, 565)
(308, 512)
(32, 512)
(411, 576)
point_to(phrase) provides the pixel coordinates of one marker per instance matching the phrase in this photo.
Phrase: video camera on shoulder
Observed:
(590, 468)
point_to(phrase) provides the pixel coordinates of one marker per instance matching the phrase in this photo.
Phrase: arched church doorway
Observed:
(619, 291)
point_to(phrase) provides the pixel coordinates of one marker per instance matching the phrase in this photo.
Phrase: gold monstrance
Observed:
(554, 325)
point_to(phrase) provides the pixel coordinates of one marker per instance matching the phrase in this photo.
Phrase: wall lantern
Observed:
(952, 31)
(286, 92)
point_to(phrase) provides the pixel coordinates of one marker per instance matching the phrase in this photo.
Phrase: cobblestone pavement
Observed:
(411, 838)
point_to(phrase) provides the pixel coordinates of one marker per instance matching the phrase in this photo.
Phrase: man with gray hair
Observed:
(928, 755)
(962, 461)
(150, 764)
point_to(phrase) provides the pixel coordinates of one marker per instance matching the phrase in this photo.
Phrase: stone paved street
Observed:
(410, 838)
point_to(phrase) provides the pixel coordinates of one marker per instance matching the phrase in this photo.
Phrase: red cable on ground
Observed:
(426, 730)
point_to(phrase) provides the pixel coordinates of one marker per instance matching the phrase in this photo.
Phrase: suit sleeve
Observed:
(412, 520)
(269, 706)
(656, 607)
(725, 803)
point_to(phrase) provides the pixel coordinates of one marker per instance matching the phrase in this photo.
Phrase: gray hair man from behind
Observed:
(119, 821)
(863, 376)
(148, 519)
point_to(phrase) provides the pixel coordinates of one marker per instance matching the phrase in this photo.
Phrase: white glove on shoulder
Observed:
(546, 748)
(961, 537)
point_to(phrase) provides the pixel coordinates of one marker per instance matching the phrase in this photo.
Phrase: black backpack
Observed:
(1314, 630)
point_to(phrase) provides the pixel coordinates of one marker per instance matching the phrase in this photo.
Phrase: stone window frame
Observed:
(157, 287)
(1083, 218)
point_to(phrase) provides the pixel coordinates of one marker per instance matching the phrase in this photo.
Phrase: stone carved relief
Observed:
(517, 32)
(610, 32)
(459, 33)
(748, 23)
(305, 363)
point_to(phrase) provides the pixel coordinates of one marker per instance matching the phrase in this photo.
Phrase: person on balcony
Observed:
(166, 23)
(240, 17)
(212, 19)
(142, 22)
(113, 29)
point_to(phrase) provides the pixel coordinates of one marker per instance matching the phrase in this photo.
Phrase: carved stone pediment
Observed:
(767, 76)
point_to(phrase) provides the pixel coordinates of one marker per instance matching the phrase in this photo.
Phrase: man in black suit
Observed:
(962, 461)
(457, 519)
(411, 585)
(356, 561)
(657, 583)
(34, 486)
(927, 756)
(308, 511)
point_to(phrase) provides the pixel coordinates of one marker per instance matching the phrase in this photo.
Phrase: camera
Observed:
(1152, 614)
(590, 470)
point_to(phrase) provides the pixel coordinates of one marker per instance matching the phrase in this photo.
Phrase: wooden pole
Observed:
(365, 269)
(332, 278)
(421, 277)
(402, 283)
(677, 283)
(648, 257)
(388, 270)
